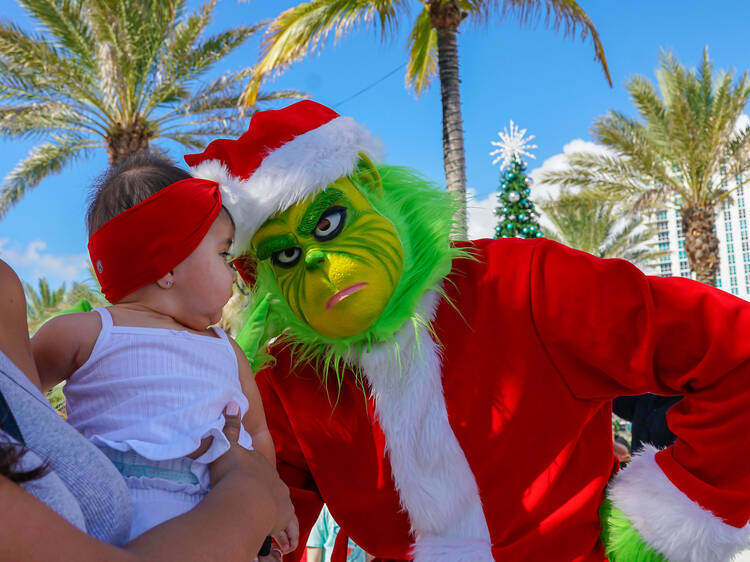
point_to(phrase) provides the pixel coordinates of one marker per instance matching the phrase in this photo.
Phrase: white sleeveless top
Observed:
(157, 392)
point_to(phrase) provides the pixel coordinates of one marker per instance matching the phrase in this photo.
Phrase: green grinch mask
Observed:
(336, 259)
(387, 227)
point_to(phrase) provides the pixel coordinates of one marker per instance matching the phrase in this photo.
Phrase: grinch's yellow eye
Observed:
(330, 224)
(287, 257)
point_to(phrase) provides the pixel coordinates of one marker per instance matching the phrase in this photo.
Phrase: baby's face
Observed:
(204, 280)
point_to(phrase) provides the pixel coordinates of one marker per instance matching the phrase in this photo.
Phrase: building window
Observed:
(747, 269)
(718, 282)
(731, 258)
(665, 258)
(684, 265)
(734, 290)
(740, 191)
(730, 239)
(741, 213)
(727, 215)
(733, 281)
(743, 234)
(732, 270)
(745, 247)
(682, 254)
(746, 257)
(681, 244)
(740, 202)
(661, 216)
(662, 225)
(666, 269)
(664, 236)
(664, 245)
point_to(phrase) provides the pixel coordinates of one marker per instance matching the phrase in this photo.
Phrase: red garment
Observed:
(540, 340)
(143, 243)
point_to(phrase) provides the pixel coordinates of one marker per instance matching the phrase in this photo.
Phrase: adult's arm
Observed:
(610, 330)
(14, 331)
(247, 502)
(229, 524)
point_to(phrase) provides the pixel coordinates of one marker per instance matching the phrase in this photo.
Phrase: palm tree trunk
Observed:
(446, 18)
(701, 243)
(122, 141)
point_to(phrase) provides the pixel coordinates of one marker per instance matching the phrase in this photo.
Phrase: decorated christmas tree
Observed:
(515, 211)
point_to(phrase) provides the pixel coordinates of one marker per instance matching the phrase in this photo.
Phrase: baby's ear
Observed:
(166, 281)
(366, 175)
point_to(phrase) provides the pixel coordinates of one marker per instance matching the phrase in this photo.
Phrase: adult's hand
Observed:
(252, 467)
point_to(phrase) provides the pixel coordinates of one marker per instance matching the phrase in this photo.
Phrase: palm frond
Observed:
(565, 15)
(66, 20)
(43, 160)
(599, 227)
(38, 119)
(305, 28)
(193, 63)
(423, 53)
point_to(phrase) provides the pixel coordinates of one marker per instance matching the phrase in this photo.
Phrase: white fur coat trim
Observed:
(292, 172)
(669, 521)
(435, 483)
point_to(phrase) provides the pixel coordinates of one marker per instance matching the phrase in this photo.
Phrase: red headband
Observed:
(144, 243)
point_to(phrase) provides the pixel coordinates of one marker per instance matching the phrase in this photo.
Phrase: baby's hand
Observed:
(289, 537)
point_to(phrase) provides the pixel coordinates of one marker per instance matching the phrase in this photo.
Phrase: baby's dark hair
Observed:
(127, 183)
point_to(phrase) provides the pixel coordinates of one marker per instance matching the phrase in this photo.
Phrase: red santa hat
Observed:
(285, 156)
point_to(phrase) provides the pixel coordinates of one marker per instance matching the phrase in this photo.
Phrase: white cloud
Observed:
(34, 262)
(743, 122)
(480, 215)
(556, 163)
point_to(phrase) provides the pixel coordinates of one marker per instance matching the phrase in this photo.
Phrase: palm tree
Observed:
(113, 74)
(432, 48)
(599, 228)
(42, 303)
(683, 150)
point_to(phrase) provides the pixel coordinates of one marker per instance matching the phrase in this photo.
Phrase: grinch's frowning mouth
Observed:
(342, 294)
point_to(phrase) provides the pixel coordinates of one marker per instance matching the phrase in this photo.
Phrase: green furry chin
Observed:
(422, 215)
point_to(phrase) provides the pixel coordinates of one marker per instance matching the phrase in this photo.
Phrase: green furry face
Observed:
(337, 261)
(420, 213)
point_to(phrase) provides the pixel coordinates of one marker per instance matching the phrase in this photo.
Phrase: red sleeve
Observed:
(610, 330)
(290, 462)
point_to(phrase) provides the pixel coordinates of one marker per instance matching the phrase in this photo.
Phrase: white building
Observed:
(734, 247)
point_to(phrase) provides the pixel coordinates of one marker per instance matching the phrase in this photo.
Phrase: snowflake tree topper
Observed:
(512, 145)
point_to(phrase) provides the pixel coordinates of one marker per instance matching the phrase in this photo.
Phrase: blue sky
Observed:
(546, 83)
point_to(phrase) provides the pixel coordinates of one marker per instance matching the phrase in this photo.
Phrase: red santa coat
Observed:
(537, 341)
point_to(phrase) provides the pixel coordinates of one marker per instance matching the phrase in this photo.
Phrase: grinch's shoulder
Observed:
(501, 252)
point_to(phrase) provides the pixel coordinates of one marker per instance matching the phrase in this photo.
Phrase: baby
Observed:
(148, 377)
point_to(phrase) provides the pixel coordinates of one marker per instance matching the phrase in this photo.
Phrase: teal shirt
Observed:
(323, 535)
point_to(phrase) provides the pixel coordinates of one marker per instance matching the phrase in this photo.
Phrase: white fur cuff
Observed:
(669, 521)
(451, 549)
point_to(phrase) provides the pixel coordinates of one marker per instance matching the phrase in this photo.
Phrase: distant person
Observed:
(322, 539)
(148, 377)
(647, 414)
